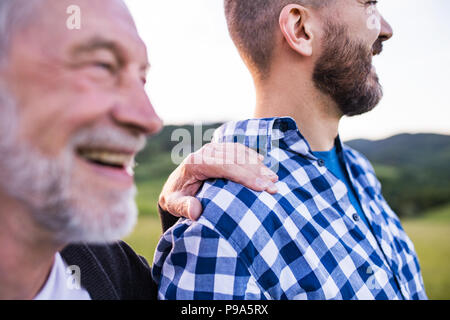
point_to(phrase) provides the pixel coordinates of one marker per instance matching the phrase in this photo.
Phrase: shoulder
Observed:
(361, 167)
(234, 217)
(248, 220)
(357, 158)
(193, 261)
(122, 255)
(111, 266)
(188, 241)
(221, 198)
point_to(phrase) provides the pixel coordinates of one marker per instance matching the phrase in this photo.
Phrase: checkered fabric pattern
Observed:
(306, 242)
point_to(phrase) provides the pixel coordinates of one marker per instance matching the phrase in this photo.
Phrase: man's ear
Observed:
(296, 28)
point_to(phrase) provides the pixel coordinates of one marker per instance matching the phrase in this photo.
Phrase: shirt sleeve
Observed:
(167, 220)
(194, 262)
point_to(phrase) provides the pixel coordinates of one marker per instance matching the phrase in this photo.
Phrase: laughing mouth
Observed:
(108, 158)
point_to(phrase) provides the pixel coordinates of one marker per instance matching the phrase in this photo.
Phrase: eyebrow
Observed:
(99, 43)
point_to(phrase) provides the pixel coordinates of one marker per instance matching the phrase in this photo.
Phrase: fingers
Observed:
(231, 161)
(251, 179)
(195, 209)
(235, 162)
(184, 206)
(269, 187)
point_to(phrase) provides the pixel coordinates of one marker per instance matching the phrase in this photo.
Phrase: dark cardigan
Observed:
(114, 271)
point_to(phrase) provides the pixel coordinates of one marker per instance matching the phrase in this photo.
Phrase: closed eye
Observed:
(105, 65)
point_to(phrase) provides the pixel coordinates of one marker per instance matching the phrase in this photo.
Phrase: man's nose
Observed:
(386, 30)
(135, 110)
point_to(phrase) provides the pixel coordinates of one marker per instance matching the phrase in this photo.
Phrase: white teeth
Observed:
(112, 158)
(130, 169)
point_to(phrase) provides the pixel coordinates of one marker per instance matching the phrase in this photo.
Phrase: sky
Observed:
(197, 75)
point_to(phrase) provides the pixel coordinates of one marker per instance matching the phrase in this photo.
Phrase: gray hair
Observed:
(13, 15)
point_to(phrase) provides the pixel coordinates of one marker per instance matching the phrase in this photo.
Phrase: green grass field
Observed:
(430, 235)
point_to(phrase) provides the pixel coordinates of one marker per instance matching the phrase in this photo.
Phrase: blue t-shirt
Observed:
(336, 165)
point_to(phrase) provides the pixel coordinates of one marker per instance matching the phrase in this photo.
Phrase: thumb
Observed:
(195, 208)
(184, 206)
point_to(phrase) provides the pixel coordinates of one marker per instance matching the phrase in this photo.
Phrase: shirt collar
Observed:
(265, 134)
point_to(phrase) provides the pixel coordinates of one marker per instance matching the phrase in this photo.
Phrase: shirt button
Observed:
(321, 162)
(356, 217)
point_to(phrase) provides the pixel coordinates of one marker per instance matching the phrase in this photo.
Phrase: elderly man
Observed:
(328, 233)
(73, 115)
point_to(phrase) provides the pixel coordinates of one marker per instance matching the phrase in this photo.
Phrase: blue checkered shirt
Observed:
(306, 242)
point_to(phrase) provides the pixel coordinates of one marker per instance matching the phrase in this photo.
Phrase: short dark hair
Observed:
(252, 26)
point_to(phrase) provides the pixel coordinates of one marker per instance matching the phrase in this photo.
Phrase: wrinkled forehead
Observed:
(63, 24)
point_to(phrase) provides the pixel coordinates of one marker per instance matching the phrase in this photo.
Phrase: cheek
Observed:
(87, 106)
(50, 123)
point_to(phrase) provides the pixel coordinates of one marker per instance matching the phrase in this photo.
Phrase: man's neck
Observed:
(26, 254)
(316, 115)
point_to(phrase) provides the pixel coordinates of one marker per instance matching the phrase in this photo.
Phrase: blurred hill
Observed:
(414, 169)
(412, 150)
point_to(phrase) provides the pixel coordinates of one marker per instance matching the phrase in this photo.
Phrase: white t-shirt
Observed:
(63, 283)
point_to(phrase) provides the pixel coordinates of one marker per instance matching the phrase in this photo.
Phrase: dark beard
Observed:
(344, 72)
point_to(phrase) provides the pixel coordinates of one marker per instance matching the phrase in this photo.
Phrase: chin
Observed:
(101, 216)
(364, 103)
(84, 213)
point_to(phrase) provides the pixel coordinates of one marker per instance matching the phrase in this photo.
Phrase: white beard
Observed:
(57, 202)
